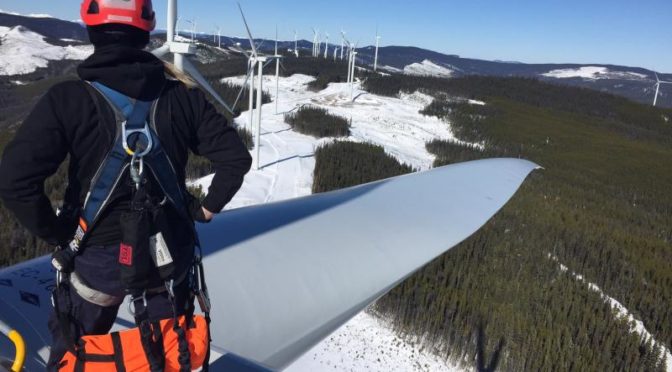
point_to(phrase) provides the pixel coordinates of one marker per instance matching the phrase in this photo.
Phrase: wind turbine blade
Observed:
(249, 33)
(243, 88)
(260, 44)
(657, 78)
(162, 50)
(194, 73)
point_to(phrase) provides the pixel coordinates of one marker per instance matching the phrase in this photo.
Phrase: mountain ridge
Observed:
(616, 79)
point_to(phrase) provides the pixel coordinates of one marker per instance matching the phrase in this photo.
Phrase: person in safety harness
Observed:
(126, 227)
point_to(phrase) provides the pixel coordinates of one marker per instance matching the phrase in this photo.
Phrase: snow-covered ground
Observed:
(23, 51)
(594, 73)
(286, 157)
(287, 164)
(621, 311)
(428, 68)
(367, 343)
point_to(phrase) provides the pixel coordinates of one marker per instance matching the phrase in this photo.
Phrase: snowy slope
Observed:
(287, 164)
(287, 157)
(593, 73)
(427, 68)
(24, 51)
(368, 343)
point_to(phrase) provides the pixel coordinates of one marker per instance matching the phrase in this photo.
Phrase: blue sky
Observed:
(633, 33)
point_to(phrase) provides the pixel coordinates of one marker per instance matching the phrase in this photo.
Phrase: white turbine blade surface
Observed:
(299, 269)
(194, 73)
(247, 28)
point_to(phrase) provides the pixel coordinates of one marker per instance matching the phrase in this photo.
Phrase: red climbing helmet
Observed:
(137, 13)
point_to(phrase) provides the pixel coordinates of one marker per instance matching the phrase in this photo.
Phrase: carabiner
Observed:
(131, 303)
(136, 173)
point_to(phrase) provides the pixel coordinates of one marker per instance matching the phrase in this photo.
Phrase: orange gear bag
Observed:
(123, 351)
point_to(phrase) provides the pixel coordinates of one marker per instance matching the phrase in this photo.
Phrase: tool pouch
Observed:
(135, 260)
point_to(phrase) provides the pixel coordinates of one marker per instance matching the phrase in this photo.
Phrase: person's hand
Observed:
(207, 214)
(63, 259)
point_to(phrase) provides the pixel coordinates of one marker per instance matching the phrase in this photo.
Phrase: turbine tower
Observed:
(180, 51)
(314, 43)
(277, 71)
(375, 60)
(342, 43)
(319, 45)
(658, 82)
(296, 44)
(352, 74)
(219, 37)
(326, 47)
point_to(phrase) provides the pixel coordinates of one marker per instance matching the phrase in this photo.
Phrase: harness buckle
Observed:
(126, 133)
(131, 304)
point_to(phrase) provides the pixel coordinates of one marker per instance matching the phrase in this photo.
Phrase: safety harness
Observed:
(143, 252)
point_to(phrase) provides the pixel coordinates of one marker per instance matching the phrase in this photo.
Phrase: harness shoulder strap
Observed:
(137, 114)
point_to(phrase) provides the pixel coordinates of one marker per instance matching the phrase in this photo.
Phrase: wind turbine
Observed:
(219, 37)
(256, 61)
(314, 43)
(192, 22)
(342, 43)
(658, 82)
(326, 47)
(277, 71)
(319, 45)
(335, 53)
(375, 60)
(353, 57)
(180, 51)
(296, 44)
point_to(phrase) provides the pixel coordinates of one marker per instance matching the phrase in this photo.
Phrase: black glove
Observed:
(196, 210)
(63, 259)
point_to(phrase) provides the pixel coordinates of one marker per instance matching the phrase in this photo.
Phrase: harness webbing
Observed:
(103, 184)
(134, 116)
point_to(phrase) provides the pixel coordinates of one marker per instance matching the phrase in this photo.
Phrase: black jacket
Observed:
(66, 122)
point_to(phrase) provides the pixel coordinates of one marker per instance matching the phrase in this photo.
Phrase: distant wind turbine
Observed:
(342, 43)
(296, 44)
(277, 71)
(658, 82)
(192, 22)
(314, 43)
(375, 60)
(326, 47)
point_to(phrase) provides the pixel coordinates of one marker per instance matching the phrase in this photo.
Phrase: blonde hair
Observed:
(173, 72)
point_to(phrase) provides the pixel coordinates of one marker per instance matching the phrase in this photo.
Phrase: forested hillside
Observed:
(601, 207)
